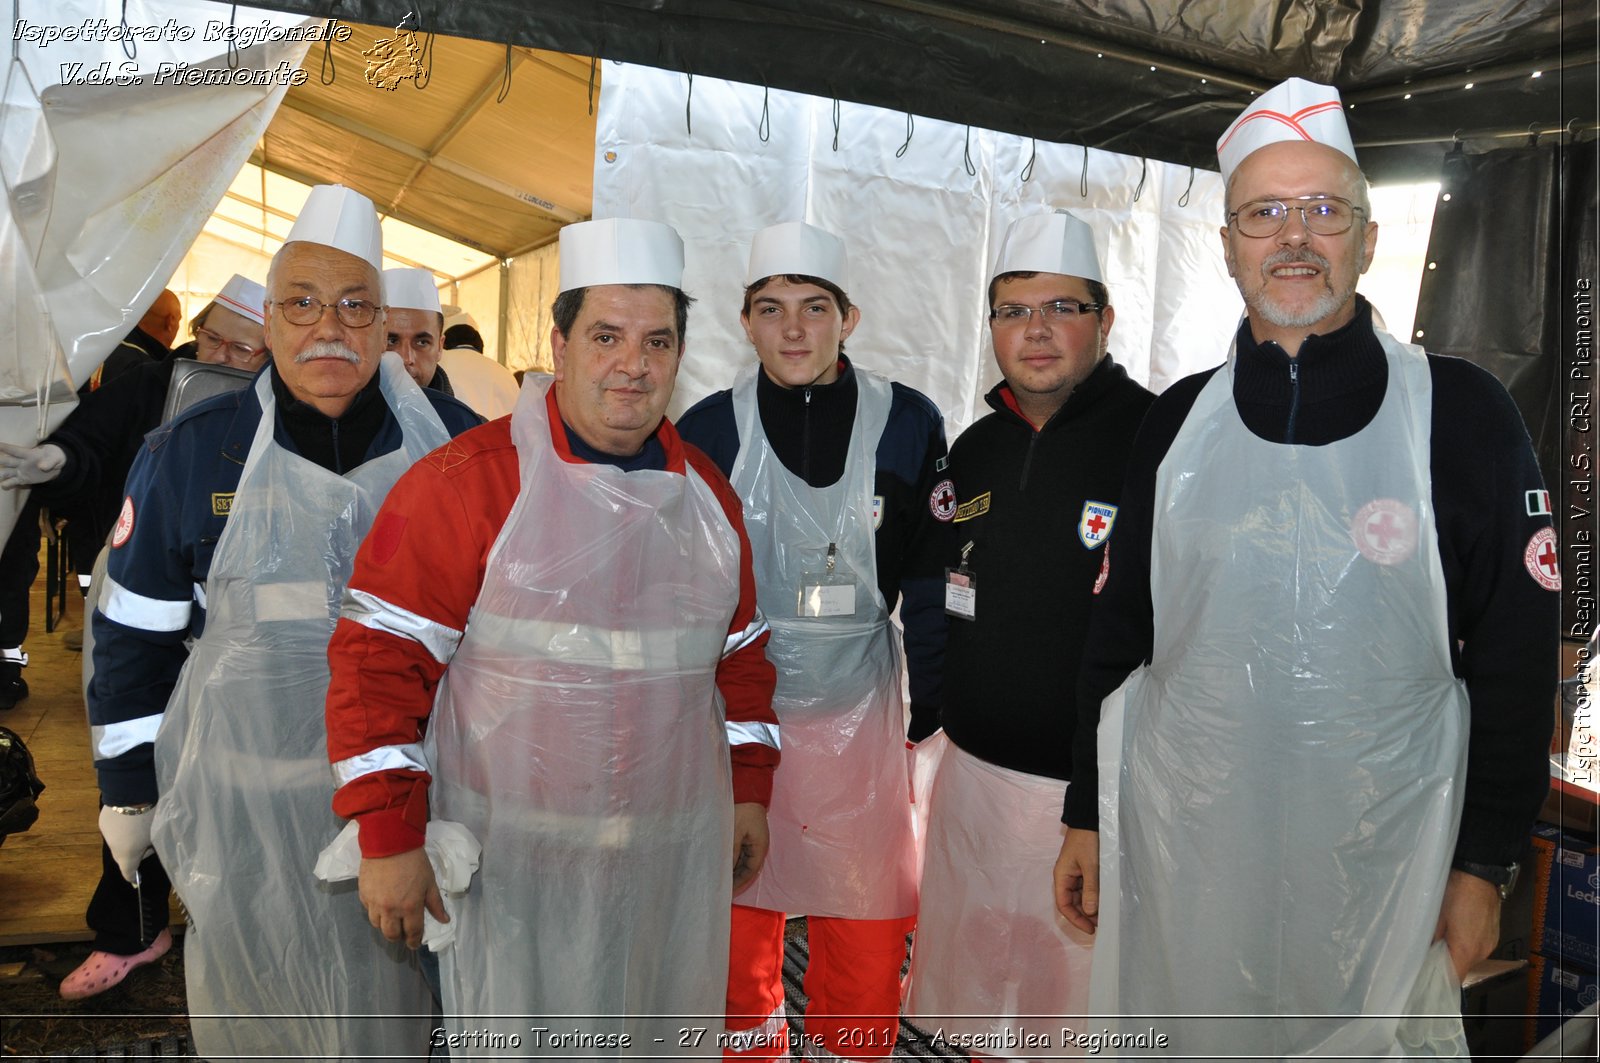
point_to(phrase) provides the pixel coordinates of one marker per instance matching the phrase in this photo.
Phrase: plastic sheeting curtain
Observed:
(1509, 285)
(922, 206)
(107, 184)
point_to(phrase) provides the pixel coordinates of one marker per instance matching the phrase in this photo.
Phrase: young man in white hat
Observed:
(413, 319)
(86, 460)
(582, 725)
(1040, 475)
(839, 472)
(1335, 590)
(239, 525)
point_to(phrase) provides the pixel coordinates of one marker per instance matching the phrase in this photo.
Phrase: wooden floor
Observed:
(48, 874)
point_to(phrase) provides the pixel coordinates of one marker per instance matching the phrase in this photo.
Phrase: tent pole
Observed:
(505, 308)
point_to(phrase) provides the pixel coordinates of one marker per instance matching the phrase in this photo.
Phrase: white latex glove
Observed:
(128, 838)
(22, 466)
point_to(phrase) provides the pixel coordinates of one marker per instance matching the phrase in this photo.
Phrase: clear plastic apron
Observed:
(579, 734)
(1283, 786)
(242, 766)
(842, 841)
(992, 960)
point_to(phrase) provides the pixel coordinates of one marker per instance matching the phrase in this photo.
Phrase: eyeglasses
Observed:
(1060, 312)
(1323, 215)
(211, 341)
(352, 313)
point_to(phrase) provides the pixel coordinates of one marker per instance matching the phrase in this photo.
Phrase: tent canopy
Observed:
(1160, 81)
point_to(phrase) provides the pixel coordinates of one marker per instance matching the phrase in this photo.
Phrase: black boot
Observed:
(13, 688)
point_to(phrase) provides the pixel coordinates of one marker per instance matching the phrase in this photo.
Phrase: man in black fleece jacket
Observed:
(1337, 569)
(1039, 482)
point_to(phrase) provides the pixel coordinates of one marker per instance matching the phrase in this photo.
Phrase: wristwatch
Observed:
(1504, 878)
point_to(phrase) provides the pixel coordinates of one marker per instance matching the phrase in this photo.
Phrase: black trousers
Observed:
(126, 920)
(19, 567)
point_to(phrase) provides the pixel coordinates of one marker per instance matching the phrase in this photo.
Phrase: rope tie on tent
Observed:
(1033, 157)
(911, 127)
(688, 109)
(836, 123)
(764, 126)
(1533, 134)
(426, 61)
(233, 45)
(330, 71)
(966, 154)
(594, 66)
(129, 48)
(505, 79)
(1083, 178)
(1183, 200)
(1144, 171)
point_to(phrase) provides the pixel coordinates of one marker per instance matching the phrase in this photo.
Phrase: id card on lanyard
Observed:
(829, 592)
(961, 589)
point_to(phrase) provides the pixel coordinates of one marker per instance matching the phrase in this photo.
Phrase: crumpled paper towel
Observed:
(453, 852)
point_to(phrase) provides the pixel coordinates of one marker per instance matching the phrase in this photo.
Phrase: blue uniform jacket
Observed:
(178, 497)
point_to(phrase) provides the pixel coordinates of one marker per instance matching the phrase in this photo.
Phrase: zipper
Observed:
(805, 439)
(1294, 397)
(1027, 459)
(338, 461)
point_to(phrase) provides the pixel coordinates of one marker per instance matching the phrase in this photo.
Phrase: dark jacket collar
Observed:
(1106, 375)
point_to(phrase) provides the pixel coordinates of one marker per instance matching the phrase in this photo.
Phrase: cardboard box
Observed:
(1566, 898)
(1557, 990)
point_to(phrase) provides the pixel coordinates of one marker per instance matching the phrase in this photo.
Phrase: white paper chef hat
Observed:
(454, 315)
(1295, 110)
(244, 297)
(620, 251)
(341, 218)
(793, 247)
(410, 289)
(1049, 243)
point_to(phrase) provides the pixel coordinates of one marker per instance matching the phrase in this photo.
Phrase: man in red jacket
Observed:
(562, 606)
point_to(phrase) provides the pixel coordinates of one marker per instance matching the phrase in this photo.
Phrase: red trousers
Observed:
(852, 981)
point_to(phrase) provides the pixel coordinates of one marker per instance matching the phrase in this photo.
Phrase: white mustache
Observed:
(1294, 255)
(327, 349)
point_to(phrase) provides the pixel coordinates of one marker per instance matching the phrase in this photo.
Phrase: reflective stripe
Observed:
(763, 1037)
(200, 594)
(740, 639)
(147, 614)
(373, 612)
(115, 738)
(83, 581)
(14, 655)
(667, 649)
(761, 734)
(384, 758)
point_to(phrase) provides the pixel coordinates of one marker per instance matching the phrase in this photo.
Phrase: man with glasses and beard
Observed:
(227, 561)
(1333, 599)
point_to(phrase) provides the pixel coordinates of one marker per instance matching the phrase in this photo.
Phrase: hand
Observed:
(395, 890)
(128, 838)
(1077, 879)
(750, 841)
(22, 466)
(1469, 920)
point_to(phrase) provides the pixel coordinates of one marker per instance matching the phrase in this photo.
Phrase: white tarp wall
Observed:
(922, 230)
(107, 184)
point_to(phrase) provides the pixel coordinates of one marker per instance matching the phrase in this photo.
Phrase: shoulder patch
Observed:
(1537, 503)
(1105, 570)
(384, 539)
(1540, 559)
(941, 463)
(972, 507)
(124, 526)
(221, 503)
(877, 512)
(1094, 523)
(942, 501)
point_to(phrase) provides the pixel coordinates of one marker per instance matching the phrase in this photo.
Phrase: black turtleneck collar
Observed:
(1329, 391)
(1102, 378)
(810, 427)
(337, 444)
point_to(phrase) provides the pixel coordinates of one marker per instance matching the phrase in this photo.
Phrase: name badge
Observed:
(830, 592)
(961, 594)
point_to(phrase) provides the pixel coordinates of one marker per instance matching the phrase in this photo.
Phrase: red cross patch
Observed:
(124, 526)
(1540, 559)
(1385, 531)
(942, 502)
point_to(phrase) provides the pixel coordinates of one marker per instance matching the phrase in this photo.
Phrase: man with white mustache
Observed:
(1334, 601)
(227, 561)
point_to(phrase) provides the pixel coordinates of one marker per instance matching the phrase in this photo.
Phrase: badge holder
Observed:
(831, 592)
(961, 589)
